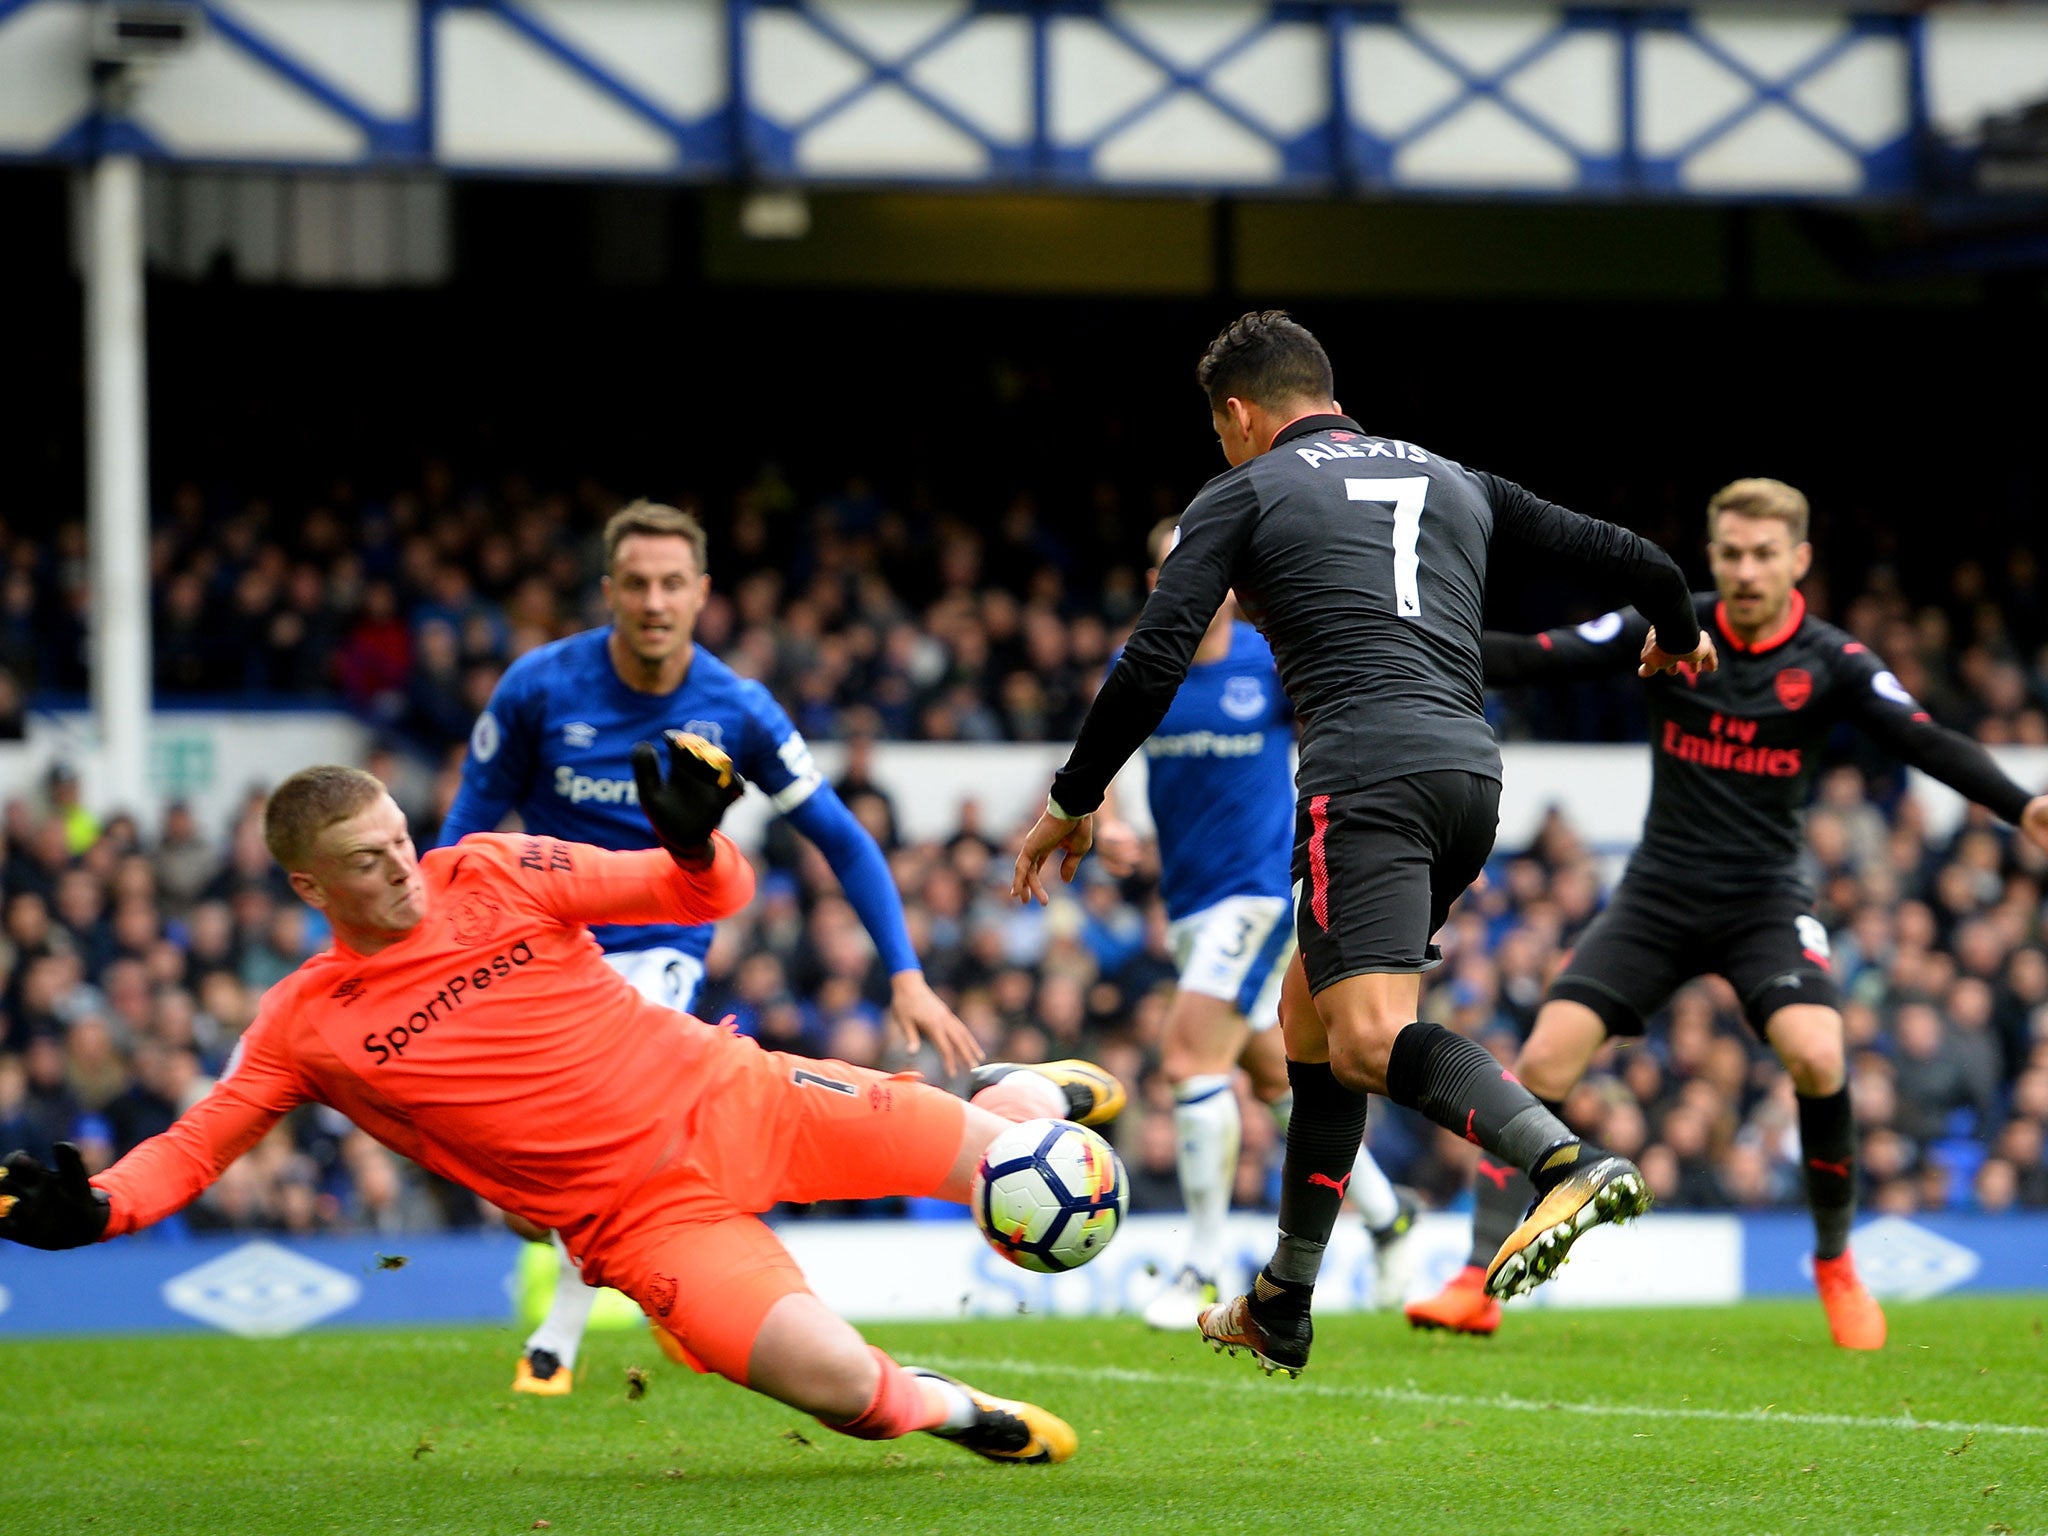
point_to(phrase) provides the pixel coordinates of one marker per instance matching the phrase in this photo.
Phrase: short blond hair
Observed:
(1760, 498)
(653, 520)
(308, 803)
(1160, 539)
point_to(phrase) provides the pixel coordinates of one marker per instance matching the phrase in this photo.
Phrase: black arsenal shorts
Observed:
(1643, 948)
(1376, 870)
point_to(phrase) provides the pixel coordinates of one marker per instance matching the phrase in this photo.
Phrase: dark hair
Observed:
(1268, 358)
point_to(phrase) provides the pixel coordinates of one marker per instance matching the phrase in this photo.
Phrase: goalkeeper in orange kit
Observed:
(466, 1019)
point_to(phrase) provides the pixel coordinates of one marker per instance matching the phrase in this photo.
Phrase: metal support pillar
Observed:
(117, 480)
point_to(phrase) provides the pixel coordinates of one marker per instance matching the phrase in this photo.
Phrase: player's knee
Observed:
(1181, 1058)
(1818, 1067)
(1559, 1048)
(809, 1358)
(1809, 1043)
(1546, 1071)
(1359, 1062)
(1200, 1037)
(847, 1377)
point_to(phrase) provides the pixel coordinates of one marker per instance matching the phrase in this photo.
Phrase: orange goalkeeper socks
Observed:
(900, 1406)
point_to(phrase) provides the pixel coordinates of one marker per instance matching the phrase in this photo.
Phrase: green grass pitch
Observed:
(1742, 1419)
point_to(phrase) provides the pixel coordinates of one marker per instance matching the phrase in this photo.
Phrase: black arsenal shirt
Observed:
(1733, 753)
(1364, 562)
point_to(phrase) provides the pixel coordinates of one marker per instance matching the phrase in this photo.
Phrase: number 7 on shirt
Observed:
(1407, 496)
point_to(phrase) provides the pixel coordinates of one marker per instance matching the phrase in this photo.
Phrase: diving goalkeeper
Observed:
(466, 1019)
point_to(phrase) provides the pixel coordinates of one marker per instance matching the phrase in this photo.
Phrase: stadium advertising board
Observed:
(267, 1286)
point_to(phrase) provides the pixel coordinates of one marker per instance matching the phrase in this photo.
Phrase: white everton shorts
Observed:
(665, 976)
(1237, 950)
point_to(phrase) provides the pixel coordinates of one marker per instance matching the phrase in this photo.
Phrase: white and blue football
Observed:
(1049, 1195)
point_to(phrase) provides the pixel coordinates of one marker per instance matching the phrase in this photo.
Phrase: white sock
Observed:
(1207, 1130)
(1022, 1095)
(561, 1331)
(1374, 1196)
(960, 1410)
(1282, 1110)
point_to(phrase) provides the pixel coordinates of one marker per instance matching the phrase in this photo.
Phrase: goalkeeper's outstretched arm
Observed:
(60, 1208)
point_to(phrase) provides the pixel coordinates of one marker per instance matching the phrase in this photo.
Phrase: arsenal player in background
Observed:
(1715, 885)
(466, 1018)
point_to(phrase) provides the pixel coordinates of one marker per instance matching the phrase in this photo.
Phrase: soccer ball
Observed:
(1049, 1195)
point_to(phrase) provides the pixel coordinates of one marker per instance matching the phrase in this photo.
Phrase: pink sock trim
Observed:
(898, 1408)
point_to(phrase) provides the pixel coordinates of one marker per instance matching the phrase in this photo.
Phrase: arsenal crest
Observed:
(1795, 687)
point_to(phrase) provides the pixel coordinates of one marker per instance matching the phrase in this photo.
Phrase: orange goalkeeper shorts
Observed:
(688, 1245)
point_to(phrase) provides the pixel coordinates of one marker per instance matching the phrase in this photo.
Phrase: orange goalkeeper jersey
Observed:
(492, 1044)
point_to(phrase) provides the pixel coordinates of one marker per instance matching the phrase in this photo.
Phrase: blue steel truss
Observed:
(739, 140)
(1310, 160)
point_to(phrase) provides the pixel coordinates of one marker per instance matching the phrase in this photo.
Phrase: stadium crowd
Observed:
(863, 618)
(129, 963)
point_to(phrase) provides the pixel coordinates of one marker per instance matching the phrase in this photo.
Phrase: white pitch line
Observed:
(1505, 1403)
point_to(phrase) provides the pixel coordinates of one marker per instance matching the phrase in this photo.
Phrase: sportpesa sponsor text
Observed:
(577, 787)
(1207, 744)
(448, 997)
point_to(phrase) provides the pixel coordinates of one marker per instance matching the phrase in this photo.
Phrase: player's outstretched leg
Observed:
(810, 1358)
(999, 1428)
(729, 1297)
(1082, 1091)
(1578, 1186)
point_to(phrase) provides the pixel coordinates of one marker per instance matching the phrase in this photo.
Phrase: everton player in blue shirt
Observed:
(555, 745)
(1221, 790)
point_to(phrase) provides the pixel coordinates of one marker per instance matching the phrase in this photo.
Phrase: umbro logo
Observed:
(579, 735)
(350, 991)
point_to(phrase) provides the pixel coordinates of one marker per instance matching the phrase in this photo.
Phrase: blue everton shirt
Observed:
(1221, 789)
(556, 743)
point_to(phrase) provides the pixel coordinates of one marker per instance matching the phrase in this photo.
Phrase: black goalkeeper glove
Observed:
(686, 806)
(46, 1209)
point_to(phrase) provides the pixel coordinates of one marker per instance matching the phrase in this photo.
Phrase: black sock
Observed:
(1501, 1194)
(1462, 1088)
(1322, 1144)
(1827, 1141)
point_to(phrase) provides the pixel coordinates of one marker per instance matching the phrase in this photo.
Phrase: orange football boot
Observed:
(1462, 1306)
(542, 1373)
(1854, 1317)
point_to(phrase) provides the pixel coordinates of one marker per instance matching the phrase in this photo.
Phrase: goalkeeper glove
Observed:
(46, 1209)
(685, 806)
